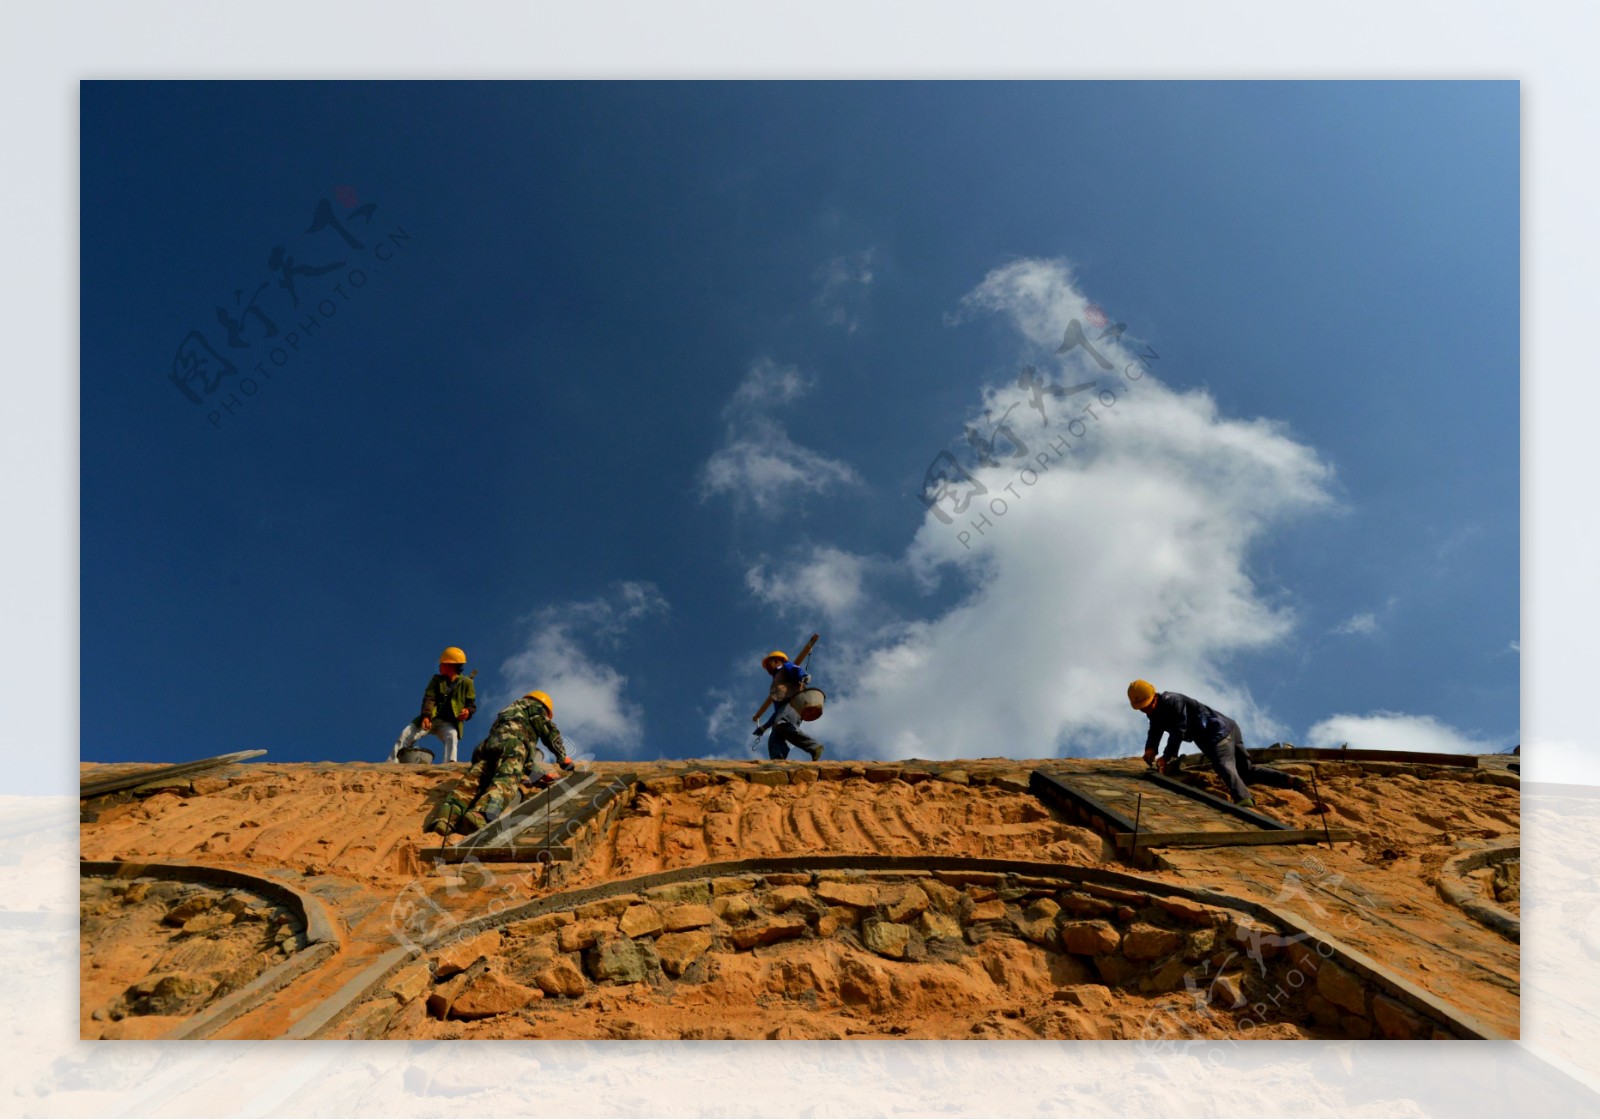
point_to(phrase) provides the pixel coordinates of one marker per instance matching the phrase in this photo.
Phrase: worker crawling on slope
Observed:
(447, 702)
(1184, 719)
(500, 766)
(788, 680)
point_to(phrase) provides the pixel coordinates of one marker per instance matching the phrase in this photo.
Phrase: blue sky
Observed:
(597, 325)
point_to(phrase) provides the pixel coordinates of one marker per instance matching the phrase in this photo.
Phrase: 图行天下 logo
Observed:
(950, 487)
(266, 326)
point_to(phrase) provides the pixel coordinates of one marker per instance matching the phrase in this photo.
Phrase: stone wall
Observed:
(1101, 940)
(156, 952)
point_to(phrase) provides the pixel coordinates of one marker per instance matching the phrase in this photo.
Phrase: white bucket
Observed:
(808, 702)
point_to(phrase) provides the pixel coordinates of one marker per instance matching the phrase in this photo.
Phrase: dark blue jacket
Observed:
(791, 674)
(1183, 719)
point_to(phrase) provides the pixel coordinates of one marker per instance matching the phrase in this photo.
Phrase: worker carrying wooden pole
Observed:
(793, 701)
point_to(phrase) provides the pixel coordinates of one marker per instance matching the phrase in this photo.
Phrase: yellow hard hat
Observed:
(453, 655)
(543, 698)
(1141, 694)
(777, 653)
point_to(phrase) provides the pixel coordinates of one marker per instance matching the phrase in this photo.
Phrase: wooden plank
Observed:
(163, 774)
(526, 814)
(577, 817)
(1260, 820)
(1230, 839)
(516, 853)
(566, 815)
(1162, 810)
(1288, 752)
(1052, 789)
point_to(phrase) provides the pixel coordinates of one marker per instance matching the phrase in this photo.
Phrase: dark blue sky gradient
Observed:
(513, 409)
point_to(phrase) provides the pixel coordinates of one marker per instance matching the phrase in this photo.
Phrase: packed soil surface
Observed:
(1404, 818)
(356, 821)
(352, 832)
(740, 820)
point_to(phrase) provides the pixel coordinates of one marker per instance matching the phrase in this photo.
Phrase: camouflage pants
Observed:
(490, 789)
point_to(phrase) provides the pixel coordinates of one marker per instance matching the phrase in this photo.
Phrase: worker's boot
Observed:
(815, 752)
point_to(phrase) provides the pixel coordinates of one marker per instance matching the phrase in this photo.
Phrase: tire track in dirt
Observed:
(762, 826)
(802, 825)
(821, 816)
(920, 838)
(878, 840)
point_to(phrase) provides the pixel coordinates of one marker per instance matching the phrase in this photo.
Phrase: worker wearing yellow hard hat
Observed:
(788, 681)
(447, 703)
(1184, 719)
(501, 765)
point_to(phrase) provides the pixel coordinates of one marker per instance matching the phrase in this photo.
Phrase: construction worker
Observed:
(447, 702)
(784, 723)
(1184, 719)
(499, 766)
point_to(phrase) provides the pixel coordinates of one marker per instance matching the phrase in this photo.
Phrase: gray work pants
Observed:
(1232, 763)
(786, 732)
(442, 730)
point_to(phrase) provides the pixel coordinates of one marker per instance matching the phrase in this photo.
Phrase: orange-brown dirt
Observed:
(350, 833)
(740, 820)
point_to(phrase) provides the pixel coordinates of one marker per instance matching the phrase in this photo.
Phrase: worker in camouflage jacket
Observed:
(447, 703)
(500, 766)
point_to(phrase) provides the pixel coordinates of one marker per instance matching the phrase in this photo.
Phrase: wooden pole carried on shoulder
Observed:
(804, 653)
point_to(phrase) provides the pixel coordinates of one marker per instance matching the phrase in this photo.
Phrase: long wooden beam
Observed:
(500, 853)
(527, 814)
(1260, 820)
(1232, 838)
(1288, 752)
(566, 819)
(163, 773)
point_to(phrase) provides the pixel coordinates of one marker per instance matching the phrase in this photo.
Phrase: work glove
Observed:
(427, 724)
(466, 713)
(758, 731)
(568, 765)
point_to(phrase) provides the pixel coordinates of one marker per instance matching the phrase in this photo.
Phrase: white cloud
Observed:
(758, 464)
(591, 706)
(1516, 647)
(1368, 623)
(828, 582)
(722, 716)
(845, 281)
(1396, 731)
(765, 386)
(727, 729)
(1125, 557)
